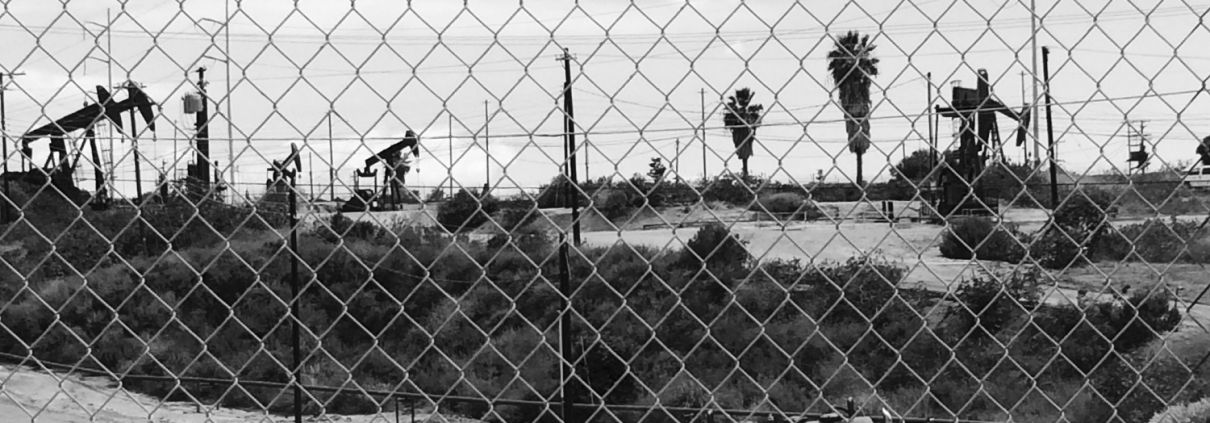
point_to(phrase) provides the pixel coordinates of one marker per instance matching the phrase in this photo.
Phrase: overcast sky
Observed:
(380, 67)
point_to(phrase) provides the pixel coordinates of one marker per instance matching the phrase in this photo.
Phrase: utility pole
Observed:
(572, 194)
(928, 111)
(201, 169)
(569, 125)
(449, 169)
(109, 82)
(1033, 51)
(1050, 131)
(1024, 104)
(487, 149)
(4, 217)
(227, 63)
(703, 129)
(331, 159)
(676, 160)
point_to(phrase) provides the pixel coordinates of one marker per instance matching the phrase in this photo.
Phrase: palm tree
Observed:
(742, 117)
(853, 65)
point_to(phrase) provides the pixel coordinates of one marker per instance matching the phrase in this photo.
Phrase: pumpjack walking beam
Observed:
(396, 167)
(86, 118)
(976, 110)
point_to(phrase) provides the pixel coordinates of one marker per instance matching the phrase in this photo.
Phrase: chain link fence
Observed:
(381, 211)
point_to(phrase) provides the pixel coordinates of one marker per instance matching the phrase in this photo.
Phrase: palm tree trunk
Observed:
(744, 172)
(860, 180)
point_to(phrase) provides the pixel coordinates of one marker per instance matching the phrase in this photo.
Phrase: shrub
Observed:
(786, 206)
(1086, 210)
(436, 195)
(1196, 412)
(612, 203)
(1138, 319)
(865, 284)
(995, 301)
(1155, 241)
(339, 226)
(730, 190)
(982, 239)
(516, 218)
(1059, 247)
(465, 211)
(714, 245)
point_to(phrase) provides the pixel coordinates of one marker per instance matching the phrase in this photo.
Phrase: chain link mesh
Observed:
(382, 211)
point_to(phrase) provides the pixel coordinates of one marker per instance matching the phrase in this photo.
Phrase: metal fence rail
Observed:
(909, 211)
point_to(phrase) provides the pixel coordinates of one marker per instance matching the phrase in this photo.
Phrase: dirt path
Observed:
(33, 395)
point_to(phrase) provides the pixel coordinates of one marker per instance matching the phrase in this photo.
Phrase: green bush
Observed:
(465, 211)
(983, 239)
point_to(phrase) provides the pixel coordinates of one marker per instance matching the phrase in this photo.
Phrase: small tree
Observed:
(916, 166)
(742, 117)
(715, 246)
(466, 211)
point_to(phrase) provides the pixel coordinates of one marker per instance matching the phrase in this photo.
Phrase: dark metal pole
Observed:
(4, 146)
(331, 161)
(296, 321)
(450, 167)
(1050, 131)
(134, 145)
(202, 165)
(487, 149)
(928, 111)
(703, 126)
(564, 330)
(570, 125)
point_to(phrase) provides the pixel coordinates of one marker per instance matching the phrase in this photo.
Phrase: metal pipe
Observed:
(134, 146)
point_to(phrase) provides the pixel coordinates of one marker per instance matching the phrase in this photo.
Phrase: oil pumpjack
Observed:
(974, 110)
(396, 165)
(59, 168)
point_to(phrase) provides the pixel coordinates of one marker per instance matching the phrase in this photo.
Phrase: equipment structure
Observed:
(59, 168)
(396, 164)
(974, 111)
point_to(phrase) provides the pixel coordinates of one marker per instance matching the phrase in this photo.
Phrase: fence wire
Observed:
(383, 211)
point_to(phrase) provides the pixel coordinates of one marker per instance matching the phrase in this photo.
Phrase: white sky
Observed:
(381, 67)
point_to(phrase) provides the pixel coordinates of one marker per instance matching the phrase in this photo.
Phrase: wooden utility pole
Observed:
(703, 129)
(569, 126)
(572, 195)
